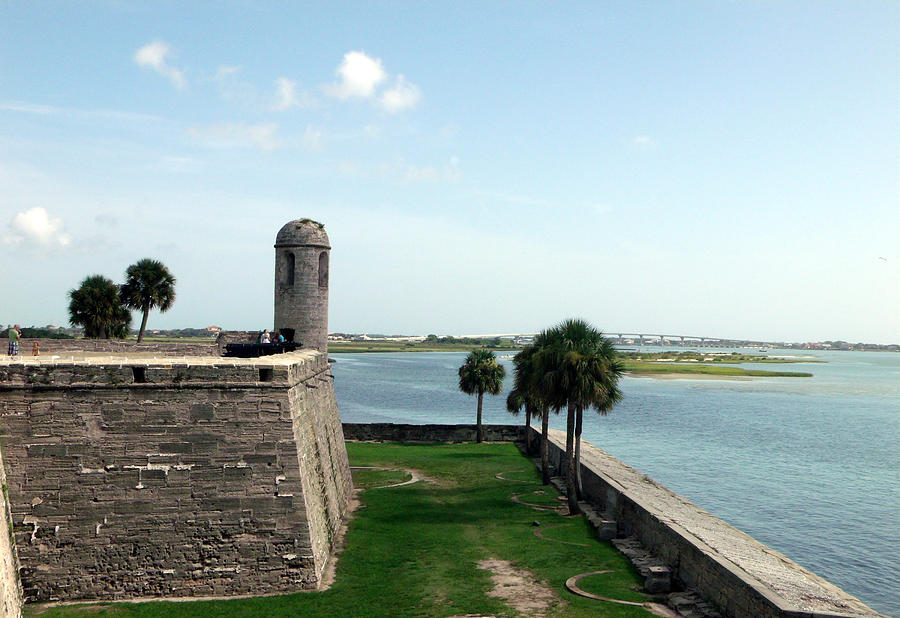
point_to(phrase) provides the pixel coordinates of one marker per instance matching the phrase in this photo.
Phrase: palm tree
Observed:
(515, 401)
(148, 284)
(520, 396)
(578, 370)
(607, 370)
(525, 394)
(96, 306)
(480, 374)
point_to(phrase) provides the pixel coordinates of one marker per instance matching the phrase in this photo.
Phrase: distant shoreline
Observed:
(723, 368)
(689, 376)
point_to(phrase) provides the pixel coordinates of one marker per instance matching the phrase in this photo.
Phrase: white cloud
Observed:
(408, 173)
(348, 167)
(179, 165)
(414, 173)
(312, 138)
(358, 76)
(285, 94)
(105, 219)
(643, 141)
(35, 227)
(227, 79)
(401, 96)
(448, 131)
(50, 110)
(156, 56)
(372, 131)
(402, 172)
(227, 71)
(235, 135)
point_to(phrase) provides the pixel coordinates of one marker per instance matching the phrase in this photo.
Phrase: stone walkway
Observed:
(149, 358)
(767, 570)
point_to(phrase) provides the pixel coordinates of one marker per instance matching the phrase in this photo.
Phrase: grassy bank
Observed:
(414, 550)
(638, 367)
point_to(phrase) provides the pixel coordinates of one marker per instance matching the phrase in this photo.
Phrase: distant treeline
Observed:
(487, 342)
(30, 332)
(178, 332)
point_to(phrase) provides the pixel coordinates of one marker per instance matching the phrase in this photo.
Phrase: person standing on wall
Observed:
(14, 335)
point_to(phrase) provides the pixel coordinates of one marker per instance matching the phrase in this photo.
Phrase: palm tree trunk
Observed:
(528, 429)
(479, 434)
(545, 453)
(143, 324)
(578, 418)
(570, 460)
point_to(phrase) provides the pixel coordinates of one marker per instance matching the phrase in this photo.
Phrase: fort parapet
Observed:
(177, 477)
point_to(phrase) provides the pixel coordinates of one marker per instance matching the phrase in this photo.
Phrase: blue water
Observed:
(808, 466)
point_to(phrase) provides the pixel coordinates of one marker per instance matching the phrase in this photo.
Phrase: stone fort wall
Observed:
(10, 589)
(188, 477)
(50, 347)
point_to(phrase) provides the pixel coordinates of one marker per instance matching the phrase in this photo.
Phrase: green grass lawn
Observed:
(413, 550)
(638, 367)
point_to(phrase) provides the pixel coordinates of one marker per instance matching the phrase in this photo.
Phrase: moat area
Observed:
(808, 466)
(437, 532)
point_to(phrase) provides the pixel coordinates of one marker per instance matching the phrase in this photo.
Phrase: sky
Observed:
(722, 169)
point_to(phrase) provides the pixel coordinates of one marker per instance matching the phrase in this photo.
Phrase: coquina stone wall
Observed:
(740, 575)
(10, 589)
(51, 347)
(195, 477)
(396, 432)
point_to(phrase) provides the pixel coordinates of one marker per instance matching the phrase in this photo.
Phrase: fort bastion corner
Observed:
(131, 476)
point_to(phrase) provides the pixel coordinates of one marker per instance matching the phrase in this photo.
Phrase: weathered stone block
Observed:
(658, 580)
(202, 412)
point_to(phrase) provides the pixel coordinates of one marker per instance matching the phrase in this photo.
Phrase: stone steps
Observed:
(658, 578)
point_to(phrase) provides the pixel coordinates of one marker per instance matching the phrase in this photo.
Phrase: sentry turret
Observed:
(302, 253)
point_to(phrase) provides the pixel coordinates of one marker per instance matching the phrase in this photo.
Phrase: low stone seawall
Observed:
(171, 478)
(731, 569)
(10, 588)
(50, 347)
(393, 432)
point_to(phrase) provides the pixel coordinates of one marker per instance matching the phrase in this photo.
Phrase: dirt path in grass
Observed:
(518, 588)
(415, 475)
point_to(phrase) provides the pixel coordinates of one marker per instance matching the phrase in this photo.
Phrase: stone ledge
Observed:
(398, 432)
(740, 575)
(48, 373)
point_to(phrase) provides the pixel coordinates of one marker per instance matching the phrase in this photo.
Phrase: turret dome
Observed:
(302, 233)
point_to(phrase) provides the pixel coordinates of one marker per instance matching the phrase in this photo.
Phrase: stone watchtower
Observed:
(301, 282)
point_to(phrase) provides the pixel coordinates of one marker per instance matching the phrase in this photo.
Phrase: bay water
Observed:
(808, 466)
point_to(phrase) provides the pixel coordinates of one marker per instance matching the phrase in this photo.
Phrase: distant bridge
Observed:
(625, 338)
(682, 340)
